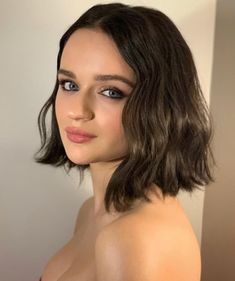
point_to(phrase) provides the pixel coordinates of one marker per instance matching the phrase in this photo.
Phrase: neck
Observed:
(100, 175)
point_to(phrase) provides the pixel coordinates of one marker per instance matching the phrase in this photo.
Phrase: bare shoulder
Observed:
(149, 245)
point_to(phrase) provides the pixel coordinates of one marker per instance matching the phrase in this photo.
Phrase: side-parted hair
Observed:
(166, 120)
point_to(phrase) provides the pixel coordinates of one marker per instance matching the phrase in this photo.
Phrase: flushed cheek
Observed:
(61, 108)
(60, 116)
(114, 130)
(110, 120)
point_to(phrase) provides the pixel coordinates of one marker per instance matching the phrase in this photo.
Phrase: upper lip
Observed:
(77, 131)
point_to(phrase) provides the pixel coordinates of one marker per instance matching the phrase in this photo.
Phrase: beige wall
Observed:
(218, 239)
(39, 204)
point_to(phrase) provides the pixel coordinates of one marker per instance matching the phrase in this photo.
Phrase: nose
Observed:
(81, 107)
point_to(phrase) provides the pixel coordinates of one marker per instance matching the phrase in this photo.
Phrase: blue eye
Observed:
(113, 93)
(69, 86)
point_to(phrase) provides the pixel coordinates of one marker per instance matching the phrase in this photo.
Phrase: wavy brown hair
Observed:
(166, 120)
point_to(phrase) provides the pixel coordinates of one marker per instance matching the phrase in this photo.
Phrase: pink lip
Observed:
(78, 136)
(77, 131)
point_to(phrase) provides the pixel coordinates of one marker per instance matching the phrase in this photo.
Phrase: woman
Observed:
(127, 105)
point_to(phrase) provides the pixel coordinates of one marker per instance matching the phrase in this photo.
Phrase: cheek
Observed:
(59, 110)
(113, 125)
(117, 126)
(109, 124)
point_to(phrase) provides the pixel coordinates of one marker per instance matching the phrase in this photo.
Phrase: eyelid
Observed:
(112, 88)
(62, 82)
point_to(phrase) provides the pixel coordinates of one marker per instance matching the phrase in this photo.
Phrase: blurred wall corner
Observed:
(218, 229)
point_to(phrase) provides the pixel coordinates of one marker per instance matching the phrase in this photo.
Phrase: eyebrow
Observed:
(106, 77)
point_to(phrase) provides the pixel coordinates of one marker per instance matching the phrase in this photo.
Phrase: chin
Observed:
(79, 162)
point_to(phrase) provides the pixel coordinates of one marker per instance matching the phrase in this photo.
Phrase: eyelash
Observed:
(109, 88)
(62, 85)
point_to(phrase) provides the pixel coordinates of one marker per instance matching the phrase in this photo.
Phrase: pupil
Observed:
(72, 86)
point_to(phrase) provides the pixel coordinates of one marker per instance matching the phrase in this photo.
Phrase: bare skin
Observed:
(84, 101)
(76, 260)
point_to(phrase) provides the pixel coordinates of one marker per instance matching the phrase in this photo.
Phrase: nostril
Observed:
(82, 115)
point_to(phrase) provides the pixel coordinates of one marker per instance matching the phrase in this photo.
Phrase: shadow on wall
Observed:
(218, 235)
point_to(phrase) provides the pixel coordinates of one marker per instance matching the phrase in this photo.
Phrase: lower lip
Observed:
(78, 138)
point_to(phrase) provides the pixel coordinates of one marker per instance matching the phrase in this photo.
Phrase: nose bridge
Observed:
(81, 105)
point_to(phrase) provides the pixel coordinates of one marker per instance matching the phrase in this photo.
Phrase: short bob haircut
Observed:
(166, 120)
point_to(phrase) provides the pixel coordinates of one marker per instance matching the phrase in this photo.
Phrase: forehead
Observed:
(92, 49)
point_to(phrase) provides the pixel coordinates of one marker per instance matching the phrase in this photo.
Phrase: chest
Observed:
(82, 266)
(76, 260)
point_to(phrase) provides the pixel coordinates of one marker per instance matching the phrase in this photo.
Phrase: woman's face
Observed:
(95, 83)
